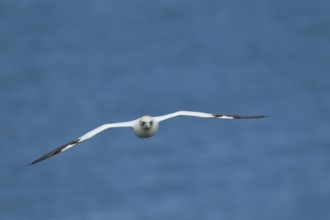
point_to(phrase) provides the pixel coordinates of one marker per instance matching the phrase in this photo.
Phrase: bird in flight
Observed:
(143, 127)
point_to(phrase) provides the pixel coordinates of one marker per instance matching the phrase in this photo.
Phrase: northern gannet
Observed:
(143, 127)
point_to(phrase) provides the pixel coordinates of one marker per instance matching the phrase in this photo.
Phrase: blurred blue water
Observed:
(68, 66)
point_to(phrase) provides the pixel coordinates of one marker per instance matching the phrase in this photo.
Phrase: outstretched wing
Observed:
(86, 136)
(204, 115)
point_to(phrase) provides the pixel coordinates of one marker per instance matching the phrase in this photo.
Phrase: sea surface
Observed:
(68, 66)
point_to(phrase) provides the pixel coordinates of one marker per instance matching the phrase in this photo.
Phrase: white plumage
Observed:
(143, 127)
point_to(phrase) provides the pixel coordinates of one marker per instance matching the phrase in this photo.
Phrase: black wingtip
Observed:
(258, 116)
(54, 152)
(239, 116)
(46, 156)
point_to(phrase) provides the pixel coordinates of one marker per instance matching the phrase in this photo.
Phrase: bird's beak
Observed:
(146, 125)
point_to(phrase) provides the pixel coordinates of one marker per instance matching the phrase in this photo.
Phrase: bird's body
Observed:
(143, 127)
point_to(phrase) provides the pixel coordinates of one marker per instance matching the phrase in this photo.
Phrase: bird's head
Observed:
(146, 122)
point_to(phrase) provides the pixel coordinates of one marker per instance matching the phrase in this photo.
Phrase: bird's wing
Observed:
(83, 138)
(204, 115)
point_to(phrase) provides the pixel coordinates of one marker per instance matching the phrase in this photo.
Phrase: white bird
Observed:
(143, 127)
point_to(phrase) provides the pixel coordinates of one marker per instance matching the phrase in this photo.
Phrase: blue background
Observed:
(68, 66)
